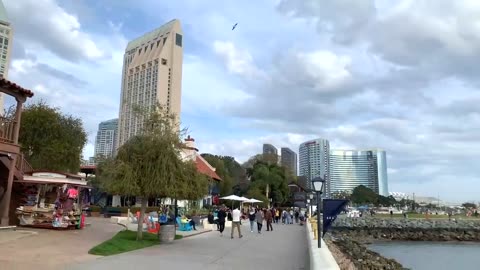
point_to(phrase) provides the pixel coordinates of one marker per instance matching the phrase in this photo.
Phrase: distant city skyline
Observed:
(342, 82)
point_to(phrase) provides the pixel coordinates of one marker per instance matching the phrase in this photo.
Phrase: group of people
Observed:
(255, 215)
(222, 215)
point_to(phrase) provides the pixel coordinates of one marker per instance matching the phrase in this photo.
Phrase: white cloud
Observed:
(46, 24)
(237, 61)
(328, 69)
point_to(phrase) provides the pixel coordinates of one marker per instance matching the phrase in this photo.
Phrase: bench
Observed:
(110, 212)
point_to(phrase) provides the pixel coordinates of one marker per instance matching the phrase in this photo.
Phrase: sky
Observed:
(398, 75)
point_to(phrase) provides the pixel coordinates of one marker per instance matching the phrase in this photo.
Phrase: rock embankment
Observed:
(373, 229)
(373, 222)
(351, 255)
(349, 235)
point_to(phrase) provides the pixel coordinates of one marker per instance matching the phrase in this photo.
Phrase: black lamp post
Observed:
(317, 184)
(311, 203)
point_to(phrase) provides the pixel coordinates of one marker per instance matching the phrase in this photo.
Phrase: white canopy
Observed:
(234, 198)
(252, 200)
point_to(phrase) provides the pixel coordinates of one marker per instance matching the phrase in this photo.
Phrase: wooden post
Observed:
(4, 221)
(18, 116)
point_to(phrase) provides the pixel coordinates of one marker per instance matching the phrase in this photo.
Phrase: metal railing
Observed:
(7, 130)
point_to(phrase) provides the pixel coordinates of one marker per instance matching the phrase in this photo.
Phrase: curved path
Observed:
(284, 248)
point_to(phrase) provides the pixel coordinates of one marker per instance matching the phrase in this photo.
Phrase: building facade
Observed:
(106, 140)
(314, 162)
(270, 153)
(351, 168)
(6, 34)
(288, 159)
(152, 73)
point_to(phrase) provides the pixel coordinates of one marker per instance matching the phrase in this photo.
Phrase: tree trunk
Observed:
(143, 208)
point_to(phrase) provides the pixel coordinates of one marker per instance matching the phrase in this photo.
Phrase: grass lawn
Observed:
(125, 241)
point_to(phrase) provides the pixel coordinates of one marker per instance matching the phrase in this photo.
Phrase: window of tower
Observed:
(178, 40)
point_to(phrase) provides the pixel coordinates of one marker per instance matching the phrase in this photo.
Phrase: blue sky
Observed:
(401, 76)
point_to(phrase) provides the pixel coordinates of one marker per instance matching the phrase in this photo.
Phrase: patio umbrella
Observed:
(254, 201)
(233, 198)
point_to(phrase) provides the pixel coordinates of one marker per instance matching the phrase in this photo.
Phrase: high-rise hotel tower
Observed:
(152, 72)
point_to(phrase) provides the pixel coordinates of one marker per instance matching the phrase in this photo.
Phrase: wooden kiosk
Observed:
(51, 200)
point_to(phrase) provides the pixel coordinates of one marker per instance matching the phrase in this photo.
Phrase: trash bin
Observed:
(167, 233)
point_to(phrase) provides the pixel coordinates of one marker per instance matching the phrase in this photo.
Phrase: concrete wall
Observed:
(320, 258)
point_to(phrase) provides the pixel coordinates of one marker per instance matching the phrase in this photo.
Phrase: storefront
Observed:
(51, 200)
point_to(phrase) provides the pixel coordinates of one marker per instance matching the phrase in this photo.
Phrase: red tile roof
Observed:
(15, 87)
(205, 168)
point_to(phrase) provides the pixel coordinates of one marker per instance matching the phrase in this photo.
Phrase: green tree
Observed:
(469, 205)
(363, 195)
(149, 165)
(263, 174)
(218, 163)
(341, 195)
(51, 140)
(233, 174)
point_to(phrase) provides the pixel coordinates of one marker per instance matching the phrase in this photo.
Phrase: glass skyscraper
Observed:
(314, 162)
(351, 168)
(105, 142)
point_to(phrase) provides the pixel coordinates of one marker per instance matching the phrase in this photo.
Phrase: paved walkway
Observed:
(41, 249)
(283, 249)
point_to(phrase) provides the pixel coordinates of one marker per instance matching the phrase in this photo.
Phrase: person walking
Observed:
(277, 215)
(251, 217)
(259, 217)
(236, 214)
(221, 219)
(269, 219)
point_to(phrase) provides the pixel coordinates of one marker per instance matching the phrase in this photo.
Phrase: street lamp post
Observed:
(311, 203)
(318, 184)
(308, 203)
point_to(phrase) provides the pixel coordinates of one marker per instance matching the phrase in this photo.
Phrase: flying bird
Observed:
(234, 26)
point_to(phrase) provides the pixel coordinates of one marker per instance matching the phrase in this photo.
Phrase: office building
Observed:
(106, 139)
(6, 33)
(89, 162)
(152, 73)
(289, 160)
(314, 162)
(270, 153)
(351, 168)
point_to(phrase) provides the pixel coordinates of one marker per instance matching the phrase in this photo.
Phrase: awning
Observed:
(55, 181)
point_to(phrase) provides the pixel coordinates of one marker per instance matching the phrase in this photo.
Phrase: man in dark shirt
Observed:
(221, 219)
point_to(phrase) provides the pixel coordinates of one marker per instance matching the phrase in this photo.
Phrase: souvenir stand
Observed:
(51, 200)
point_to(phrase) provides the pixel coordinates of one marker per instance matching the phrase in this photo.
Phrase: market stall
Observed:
(51, 200)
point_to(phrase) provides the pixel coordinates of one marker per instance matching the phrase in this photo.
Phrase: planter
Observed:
(95, 214)
(167, 233)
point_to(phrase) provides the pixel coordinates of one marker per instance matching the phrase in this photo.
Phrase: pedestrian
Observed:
(251, 217)
(277, 216)
(221, 219)
(259, 217)
(236, 222)
(296, 216)
(269, 219)
(284, 217)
